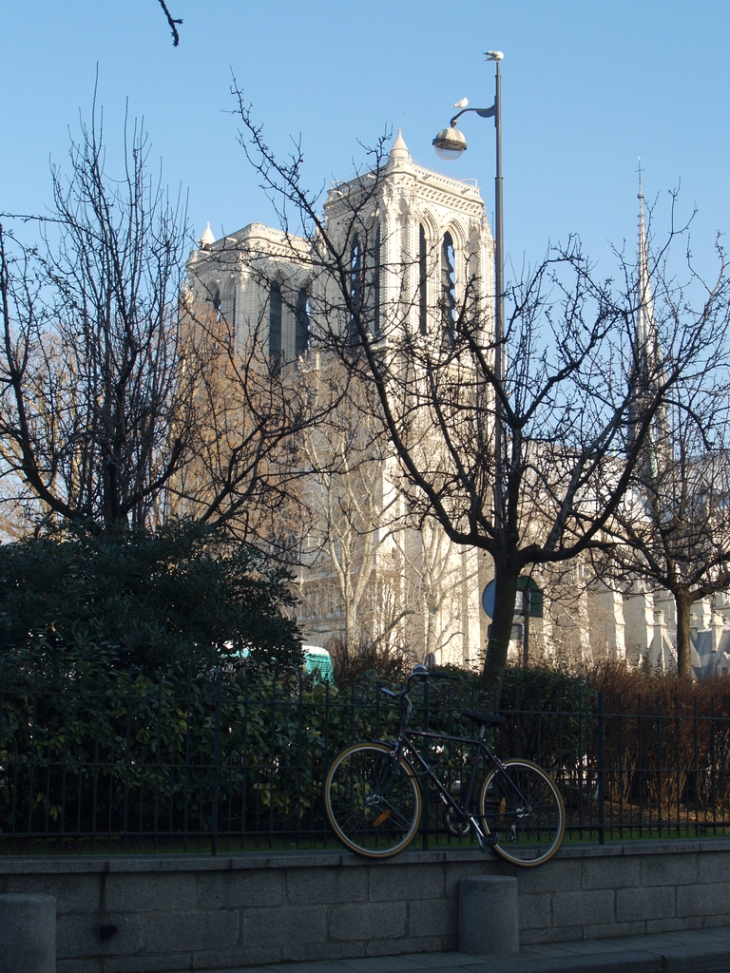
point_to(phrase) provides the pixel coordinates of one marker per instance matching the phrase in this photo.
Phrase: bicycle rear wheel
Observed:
(521, 806)
(372, 800)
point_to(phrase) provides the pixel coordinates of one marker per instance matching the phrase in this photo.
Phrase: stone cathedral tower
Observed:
(407, 247)
(408, 252)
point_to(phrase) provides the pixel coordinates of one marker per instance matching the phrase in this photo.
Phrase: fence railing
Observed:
(225, 761)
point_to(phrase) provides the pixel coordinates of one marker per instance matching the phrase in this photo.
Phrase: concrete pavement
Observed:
(678, 952)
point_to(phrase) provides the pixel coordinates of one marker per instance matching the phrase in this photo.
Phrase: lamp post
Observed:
(450, 144)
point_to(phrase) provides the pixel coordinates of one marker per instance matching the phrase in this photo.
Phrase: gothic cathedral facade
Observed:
(364, 572)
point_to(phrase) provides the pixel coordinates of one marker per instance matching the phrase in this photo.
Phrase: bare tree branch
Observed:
(173, 24)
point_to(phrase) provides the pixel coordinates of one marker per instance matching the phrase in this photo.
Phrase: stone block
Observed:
(714, 867)
(534, 911)
(308, 886)
(614, 929)
(488, 917)
(456, 871)
(150, 892)
(675, 925)
(323, 951)
(721, 919)
(432, 917)
(82, 935)
(703, 900)
(434, 944)
(161, 963)
(669, 870)
(240, 889)
(219, 959)
(538, 937)
(402, 883)
(77, 966)
(28, 933)
(620, 872)
(371, 920)
(646, 903)
(173, 931)
(260, 956)
(556, 876)
(587, 908)
(74, 893)
(286, 926)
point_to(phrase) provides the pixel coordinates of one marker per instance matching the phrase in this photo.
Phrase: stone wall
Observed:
(134, 915)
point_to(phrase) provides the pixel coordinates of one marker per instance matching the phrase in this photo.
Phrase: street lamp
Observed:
(450, 144)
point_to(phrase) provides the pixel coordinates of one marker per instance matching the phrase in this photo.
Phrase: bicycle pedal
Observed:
(490, 841)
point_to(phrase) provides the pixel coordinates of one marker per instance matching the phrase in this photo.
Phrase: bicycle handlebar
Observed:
(419, 672)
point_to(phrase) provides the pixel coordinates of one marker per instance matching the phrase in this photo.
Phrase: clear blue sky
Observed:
(587, 87)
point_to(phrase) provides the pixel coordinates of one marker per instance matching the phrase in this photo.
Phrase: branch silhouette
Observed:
(173, 24)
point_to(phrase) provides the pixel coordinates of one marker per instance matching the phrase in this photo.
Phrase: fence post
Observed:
(424, 810)
(216, 764)
(601, 773)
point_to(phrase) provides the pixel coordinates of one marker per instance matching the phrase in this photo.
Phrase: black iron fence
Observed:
(126, 762)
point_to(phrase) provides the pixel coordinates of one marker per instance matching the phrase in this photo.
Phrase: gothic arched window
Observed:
(448, 286)
(224, 302)
(355, 286)
(301, 333)
(376, 282)
(422, 281)
(275, 321)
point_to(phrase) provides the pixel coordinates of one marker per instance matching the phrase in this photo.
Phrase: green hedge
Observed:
(125, 757)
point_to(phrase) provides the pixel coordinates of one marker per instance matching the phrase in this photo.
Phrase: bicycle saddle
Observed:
(484, 719)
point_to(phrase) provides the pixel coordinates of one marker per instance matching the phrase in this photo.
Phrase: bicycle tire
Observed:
(368, 822)
(525, 836)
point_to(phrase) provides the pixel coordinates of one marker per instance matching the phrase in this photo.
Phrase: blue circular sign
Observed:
(488, 600)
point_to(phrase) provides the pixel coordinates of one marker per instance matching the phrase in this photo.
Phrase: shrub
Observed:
(385, 661)
(180, 595)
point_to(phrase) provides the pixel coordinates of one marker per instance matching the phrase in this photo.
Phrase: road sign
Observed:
(524, 583)
(488, 600)
(531, 596)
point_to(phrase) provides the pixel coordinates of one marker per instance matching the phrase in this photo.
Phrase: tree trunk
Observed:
(352, 628)
(505, 597)
(684, 601)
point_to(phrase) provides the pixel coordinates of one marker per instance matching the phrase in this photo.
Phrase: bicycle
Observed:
(374, 800)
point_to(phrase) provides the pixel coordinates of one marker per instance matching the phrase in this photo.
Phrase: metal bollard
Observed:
(28, 933)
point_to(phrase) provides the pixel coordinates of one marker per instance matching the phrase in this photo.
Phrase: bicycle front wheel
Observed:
(372, 800)
(521, 807)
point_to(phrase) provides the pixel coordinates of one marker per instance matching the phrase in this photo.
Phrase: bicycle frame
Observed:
(404, 748)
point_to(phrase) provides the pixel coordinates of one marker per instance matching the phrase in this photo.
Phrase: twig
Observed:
(173, 24)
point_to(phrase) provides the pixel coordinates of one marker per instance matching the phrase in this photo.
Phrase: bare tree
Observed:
(672, 530)
(123, 398)
(254, 404)
(437, 573)
(575, 424)
(349, 514)
(359, 544)
(97, 394)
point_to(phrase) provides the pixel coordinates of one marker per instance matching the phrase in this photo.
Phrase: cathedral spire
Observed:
(645, 327)
(399, 153)
(207, 239)
(648, 367)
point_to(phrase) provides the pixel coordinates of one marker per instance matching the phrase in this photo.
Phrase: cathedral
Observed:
(365, 572)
